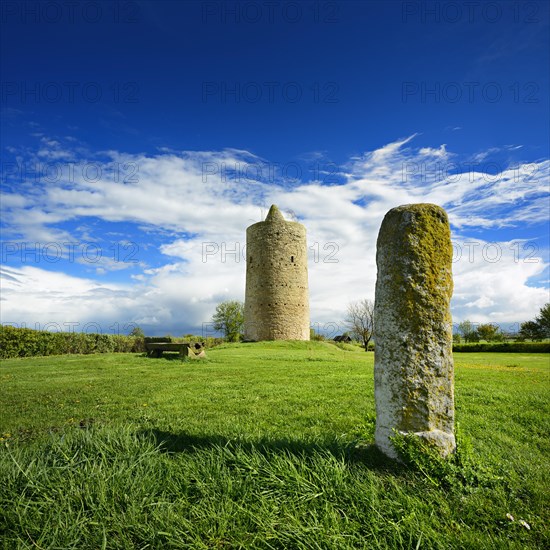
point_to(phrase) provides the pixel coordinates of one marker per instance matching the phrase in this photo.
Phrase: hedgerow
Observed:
(25, 342)
(505, 347)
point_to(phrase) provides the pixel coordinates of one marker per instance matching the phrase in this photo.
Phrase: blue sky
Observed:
(139, 139)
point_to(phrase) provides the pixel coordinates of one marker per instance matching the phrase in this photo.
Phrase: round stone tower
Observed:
(276, 299)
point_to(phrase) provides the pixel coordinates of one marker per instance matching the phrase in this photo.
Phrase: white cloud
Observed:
(440, 152)
(38, 297)
(202, 203)
(492, 281)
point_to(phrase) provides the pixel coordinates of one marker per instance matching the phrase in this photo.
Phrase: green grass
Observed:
(262, 446)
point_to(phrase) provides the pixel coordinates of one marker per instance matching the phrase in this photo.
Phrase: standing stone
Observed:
(276, 298)
(413, 364)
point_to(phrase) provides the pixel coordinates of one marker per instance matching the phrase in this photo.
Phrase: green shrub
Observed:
(26, 342)
(505, 347)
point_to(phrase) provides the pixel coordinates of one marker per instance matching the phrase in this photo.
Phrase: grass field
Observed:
(263, 446)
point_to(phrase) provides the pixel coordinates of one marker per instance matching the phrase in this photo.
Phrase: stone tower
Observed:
(276, 298)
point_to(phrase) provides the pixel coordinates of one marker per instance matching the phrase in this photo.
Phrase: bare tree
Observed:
(360, 320)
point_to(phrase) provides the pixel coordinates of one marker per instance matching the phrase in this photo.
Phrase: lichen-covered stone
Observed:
(276, 297)
(413, 365)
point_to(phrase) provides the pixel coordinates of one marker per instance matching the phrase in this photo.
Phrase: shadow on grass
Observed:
(366, 454)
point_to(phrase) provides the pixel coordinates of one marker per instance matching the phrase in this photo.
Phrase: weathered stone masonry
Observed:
(413, 366)
(276, 297)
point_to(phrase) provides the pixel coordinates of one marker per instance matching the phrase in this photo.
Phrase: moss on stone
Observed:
(419, 234)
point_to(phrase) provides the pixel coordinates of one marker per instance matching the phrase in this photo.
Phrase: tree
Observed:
(229, 318)
(539, 328)
(137, 332)
(543, 320)
(488, 332)
(531, 330)
(360, 320)
(468, 331)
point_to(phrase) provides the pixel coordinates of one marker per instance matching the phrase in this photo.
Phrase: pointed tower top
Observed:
(274, 214)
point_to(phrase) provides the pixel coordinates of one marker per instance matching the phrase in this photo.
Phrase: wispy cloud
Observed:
(198, 205)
